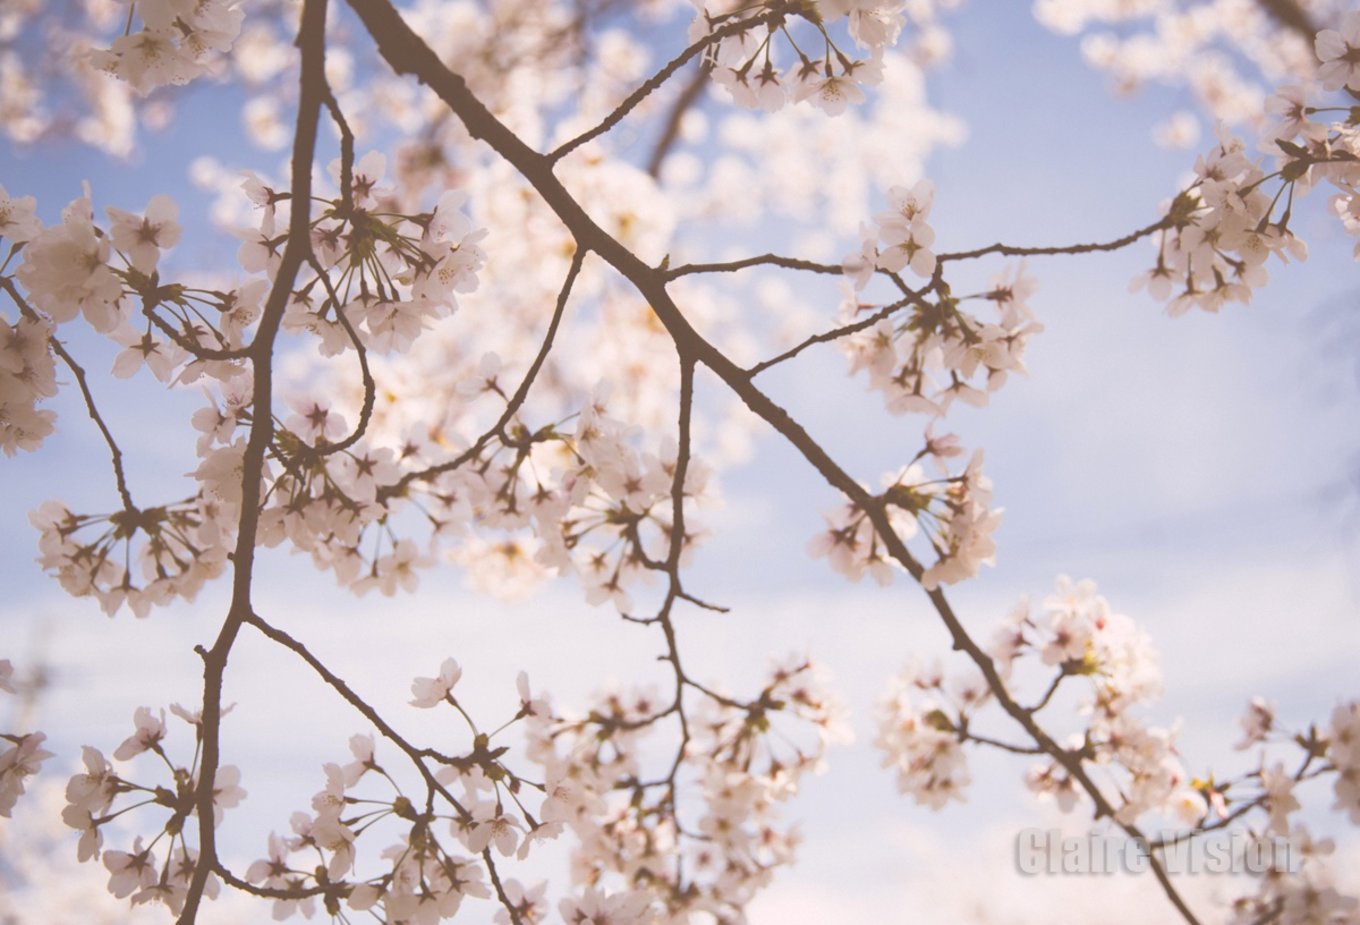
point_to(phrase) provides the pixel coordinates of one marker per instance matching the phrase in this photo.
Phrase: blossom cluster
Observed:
(746, 62)
(1228, 223)
(745, 758)
(382, 275)
(900, 237)
(27, 369)
(922, 723)
(392, 274)
(178, 41)
(136, 557)
(91, 796)
(535, 500)
(23, 754)
(633, 854)
(428, 877)
(925, 351)
(953, 513)
(1220, 235)
(1082, 637)
(1300, 884)
(1117, 758)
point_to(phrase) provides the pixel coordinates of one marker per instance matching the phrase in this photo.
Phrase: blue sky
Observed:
(1201, 469)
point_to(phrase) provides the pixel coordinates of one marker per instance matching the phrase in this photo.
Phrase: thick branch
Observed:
(1288, 13)
(405, 52)
(311, 42)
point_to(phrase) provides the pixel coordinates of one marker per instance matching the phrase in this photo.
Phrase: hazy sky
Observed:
(1201, 469)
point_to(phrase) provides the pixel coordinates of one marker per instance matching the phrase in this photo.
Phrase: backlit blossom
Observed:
(429, 692)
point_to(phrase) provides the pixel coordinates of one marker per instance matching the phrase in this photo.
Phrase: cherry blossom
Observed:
(66, 271)
(1337, 49)
(431, 691)
(150, 731)
(18, 224)
(492, 336)
(22, 758)
(142, 238)
(918, 739)
(1257, 723)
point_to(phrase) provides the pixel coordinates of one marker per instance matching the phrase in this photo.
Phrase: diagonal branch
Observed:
(79, 372)
(117, 455)
(407, 53)
(844, 330)
(1291, 15)
(671, 133)
(653, 83)
(347, 693)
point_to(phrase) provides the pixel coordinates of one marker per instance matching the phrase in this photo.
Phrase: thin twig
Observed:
(516, 400)
(775, 260)
(1048, 694)
(916, 298)
(117, 455)
(267, 892)
(500, 890)
(370, 387)
(198, 351)
(406, 52)
(346, 151)
(1004, 746)
(349, 696)
(79, 372)
(650, 85)
(1010, 250)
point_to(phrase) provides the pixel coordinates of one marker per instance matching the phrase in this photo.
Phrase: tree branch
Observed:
(651, 84)
(405, 52)
(79, 372)
(1014, 251)
(516, 401)
(1288, 13)
(842, 331)
(311, 42)
(775, 260)
(347, 693)
(688, 97)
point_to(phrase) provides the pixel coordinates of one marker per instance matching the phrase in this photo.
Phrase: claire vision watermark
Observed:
(1049, 852)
